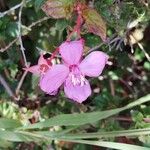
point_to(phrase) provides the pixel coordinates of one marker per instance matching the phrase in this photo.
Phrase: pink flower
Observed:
(73, 71)
(40, 68)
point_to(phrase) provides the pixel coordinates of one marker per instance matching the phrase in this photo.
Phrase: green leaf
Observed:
(114, 145)
(28, 136)
(61, 24)
(15, 137)
(12, 29)
(83, 118)
(9, 123)
(94, 23)
(5, 144)
(128, 133)
(53, 134)
(73, 119)
(147, 65)
(38, 4)
(19, 136)
(58, 9)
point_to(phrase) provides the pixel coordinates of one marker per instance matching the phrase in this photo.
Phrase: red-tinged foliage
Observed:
(58, 9)
(94, 23)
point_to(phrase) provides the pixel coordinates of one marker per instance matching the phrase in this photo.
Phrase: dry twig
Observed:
(21, 81)
(38, 21)
(19, 35)
(2, 14)
(9, 45)
(108, 42)
(7, 88)
(16, 39)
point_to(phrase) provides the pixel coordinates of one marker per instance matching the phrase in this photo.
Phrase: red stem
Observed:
(77, 29)
(79, 22)
(78, 25)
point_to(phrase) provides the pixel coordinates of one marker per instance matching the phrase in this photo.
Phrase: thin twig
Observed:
(144, 51)
(112, 88)
(21, 81)
(118, 47)
(114, 40)
(108, 41)
(16, 39)
(95, 48)
(19, 35)
(9, 45)
(141, 47)
(126, 84)
(38, 21)
(7, 88)
(129, 119)
(2, 14)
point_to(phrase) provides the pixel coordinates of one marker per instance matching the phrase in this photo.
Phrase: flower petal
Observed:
(93, 64)
(71, 51)
(42, 60)
(77, 92)
(33, 69)
(54, 78)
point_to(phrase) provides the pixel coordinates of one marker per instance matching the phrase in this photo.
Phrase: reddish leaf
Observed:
(94, 22)
(58, 8)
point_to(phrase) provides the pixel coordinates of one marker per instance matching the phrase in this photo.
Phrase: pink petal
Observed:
(77, 92)
(33, 69)
(93, 64)
(54, 78)
(42, 60)
(71, 52)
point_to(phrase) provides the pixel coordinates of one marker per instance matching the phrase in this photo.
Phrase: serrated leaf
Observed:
(94, 23)
(58, 9)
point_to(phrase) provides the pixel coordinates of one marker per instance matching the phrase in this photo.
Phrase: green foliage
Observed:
(20, 133)
(38, 4)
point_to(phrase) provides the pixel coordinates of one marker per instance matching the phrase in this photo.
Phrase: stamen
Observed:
(83, 81)
(78, 79)
(76, 76)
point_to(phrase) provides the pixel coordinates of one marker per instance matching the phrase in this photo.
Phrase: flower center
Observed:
(76, 76)
(43, 68)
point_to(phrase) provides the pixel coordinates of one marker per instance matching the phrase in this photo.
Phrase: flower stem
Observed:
(79, 22)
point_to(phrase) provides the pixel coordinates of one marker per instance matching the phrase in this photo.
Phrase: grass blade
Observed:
(84, 118)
